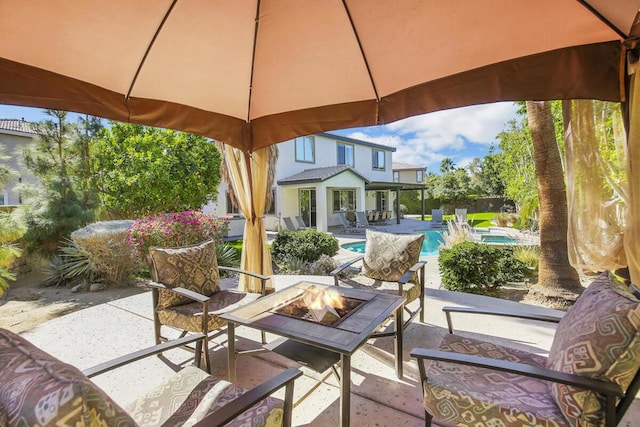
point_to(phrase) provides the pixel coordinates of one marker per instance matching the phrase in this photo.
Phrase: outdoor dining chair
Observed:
(187, 295)
(390, 264)
(40, 390)
(589, 378)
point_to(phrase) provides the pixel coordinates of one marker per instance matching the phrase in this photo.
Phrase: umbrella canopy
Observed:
(255, 72)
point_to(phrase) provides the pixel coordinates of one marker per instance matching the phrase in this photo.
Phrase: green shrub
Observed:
(478, 268)
(175, 229)
(306, 245)
(530, 256)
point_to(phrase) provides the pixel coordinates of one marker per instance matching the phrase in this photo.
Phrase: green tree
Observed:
(143, 170)
(490, 178)
(447, 165)
(10, 231)
(451, 186)
(55, 210)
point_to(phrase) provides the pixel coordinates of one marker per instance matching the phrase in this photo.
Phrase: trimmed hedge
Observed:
(306, 245)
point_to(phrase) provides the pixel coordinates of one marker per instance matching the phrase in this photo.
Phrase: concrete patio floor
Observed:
(87, 337)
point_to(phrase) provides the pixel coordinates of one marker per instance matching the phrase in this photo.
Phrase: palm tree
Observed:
(558, 281)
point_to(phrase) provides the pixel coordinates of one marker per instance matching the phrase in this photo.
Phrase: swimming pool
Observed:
(433, 239)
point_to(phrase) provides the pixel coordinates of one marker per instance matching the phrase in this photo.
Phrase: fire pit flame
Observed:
(327, 306)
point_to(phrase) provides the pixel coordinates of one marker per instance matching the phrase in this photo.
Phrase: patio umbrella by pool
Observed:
(252, 73)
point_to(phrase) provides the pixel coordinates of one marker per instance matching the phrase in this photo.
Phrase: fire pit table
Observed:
(335, 319)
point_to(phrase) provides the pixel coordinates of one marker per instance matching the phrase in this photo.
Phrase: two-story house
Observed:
(318, 176)
(15, 136)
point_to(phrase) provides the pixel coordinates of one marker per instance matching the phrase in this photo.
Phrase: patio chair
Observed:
(347, 227)
(461, 216)
(363, 222)
(38, 389)
(391, 264)
(436, 218)
(299, 222)
(590, 377)
(187, 295)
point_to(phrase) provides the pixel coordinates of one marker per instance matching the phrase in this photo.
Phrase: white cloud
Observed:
(478, 123)
(461, 134)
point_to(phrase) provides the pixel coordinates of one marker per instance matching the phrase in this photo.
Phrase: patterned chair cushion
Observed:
(38, 389)
(188, 317)
(597, 338)
(190, 395)
(389, 256)
(194, 268)
(469, 396)
(410, 290)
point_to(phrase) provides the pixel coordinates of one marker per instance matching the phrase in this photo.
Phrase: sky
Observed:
(460, 134)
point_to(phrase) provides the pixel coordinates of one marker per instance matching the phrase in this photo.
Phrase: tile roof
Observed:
(400, 166)
(16, 125)
(318, 175)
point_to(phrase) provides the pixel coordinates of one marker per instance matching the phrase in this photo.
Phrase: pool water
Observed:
(433, 239)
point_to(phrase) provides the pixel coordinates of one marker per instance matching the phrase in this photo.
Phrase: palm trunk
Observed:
(557, 279)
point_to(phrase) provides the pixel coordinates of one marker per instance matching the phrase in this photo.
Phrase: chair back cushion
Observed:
(389, 256)
(192, 267)
(38, 389)
(597, 338)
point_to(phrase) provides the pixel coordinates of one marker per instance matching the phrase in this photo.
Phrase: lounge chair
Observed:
(461, 216)
(299, 222)
(590, 377)
(347, 227)
(289, 225)
(436, 218)
(363, 222)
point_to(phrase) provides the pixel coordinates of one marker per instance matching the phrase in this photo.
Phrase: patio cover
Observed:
(254, 72)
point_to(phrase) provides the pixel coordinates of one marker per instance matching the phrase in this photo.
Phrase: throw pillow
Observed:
(389, 256)
(193, 267)
(597, 338)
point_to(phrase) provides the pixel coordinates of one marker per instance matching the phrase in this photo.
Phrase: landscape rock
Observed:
(24, 295)
(96, 287)
(77, 288)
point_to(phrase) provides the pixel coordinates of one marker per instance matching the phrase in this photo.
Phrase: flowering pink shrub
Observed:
(174, 229)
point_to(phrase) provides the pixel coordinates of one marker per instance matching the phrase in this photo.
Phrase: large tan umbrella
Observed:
(251, 73)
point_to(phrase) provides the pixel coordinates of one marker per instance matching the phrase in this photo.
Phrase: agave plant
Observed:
(70, 267)
(228, 256)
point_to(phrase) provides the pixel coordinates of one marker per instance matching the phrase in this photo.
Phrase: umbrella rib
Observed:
(364, 57)
(253, 59)
(151, 43)
(601, 17)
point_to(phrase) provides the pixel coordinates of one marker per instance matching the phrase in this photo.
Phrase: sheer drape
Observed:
(597, 185)
(632, 233)
(248, 173)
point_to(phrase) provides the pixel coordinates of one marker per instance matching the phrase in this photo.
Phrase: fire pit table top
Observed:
(343, 336)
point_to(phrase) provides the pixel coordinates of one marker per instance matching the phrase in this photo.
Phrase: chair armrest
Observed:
(343, 267)
(141, 354)
(263, 278)
(181, 291)
(604, 387)
(253, 396)
(413, 270)
(505, 313)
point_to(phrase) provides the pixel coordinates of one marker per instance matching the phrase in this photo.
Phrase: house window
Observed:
(305, 149)
(378, 159)
(419, 176)
(344, 200)
(396, 176)
(2, 199)
(345, 154)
